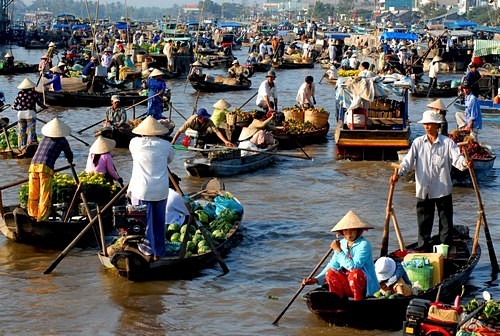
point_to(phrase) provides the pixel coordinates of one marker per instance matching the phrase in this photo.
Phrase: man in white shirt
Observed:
(267, 97)
(433, 155)
(305, 95)
(365, 73)
(434, 70)
(167, 50)
(149, 181)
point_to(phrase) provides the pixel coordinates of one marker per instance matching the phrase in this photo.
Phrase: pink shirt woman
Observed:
(101, 161)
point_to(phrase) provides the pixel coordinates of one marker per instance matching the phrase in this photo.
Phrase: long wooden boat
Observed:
(261, 67)
(292, 65)
(488, 109)
(18, 68)
(18, 226)
(443, 89)
(389, 314)
(122, 136)
(125, 256)
(225, 162)
(204, 86)
(94, 99)
(379, 132)
(290, 141)
(15, 153)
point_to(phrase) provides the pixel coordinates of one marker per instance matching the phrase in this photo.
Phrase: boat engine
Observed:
(420, 323)
(130, 219)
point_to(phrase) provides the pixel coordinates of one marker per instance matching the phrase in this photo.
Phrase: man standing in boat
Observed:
(267, 97)
(156, 87)
(432, 155)
(305, 96)
(41, 171)
(471, 119)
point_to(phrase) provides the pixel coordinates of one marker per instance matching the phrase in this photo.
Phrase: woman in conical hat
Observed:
(438, 107)
(149, 181)
(41, 170)
(55, 82)
(25, 103)
(156, 87)
(101, 161)
(351, 271)
(220, 110)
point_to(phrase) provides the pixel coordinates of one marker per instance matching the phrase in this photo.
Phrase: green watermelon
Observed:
(203, 249)
(173, 227)
(176, 237)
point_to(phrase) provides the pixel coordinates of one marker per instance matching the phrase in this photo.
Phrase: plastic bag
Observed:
(227, 202)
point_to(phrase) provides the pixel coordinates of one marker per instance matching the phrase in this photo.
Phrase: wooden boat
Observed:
(18, 68)
(389, 314)
(34, 44)
(207, 86)
(261, 67)
(224, 162)
(443, 89)
(292, 65)
(290, 141)
(15, 153)
(126, 258)
(123, 135)
(488, 109)
(482, 169)
(94, 99)
(17, 225)
(376, 133)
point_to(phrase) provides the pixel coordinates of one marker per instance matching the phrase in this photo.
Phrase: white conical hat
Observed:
(26, 84)
(7, 55)
(150, 126)
(255, 126)
(351, 221)
(197, 63)
(52, 44)
(222, 104)
(55, 69)
(437, 104)
(56, 129)
(156, 72)
(102, 145)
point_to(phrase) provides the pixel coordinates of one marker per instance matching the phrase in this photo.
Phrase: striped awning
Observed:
(486, 47)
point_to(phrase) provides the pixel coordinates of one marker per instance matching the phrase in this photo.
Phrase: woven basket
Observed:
(231, 119)
(424, 275)
(294, 115)
(318, 119)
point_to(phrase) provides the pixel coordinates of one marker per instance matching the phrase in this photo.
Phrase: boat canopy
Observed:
(457, 33)
(336, 35)
(461, 25)
(486, 47)
(122, 25)
(60, 25)
(230, 25)
(399, 36)
(80, 26)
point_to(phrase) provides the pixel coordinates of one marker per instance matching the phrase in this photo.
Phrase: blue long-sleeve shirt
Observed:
(473, 111)
(55, 81)
(361, 257)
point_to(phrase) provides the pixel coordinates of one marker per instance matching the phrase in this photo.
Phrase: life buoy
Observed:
(246, 72)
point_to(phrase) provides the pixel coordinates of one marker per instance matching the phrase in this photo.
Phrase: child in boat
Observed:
(351, 271)
(392, 277)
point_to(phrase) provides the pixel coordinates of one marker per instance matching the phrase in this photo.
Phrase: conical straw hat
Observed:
(437, 104)
(150, 126)
(156, 72)
(102, 145)
(56, 129)
(253, 128)
(351, 221)
(26, 84)
(55, 69)
(197, 63)
(222, 104)
(8, 55)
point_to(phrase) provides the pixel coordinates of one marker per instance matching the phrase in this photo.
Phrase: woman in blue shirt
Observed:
(156, 86)
(55, 79)
(351, 271)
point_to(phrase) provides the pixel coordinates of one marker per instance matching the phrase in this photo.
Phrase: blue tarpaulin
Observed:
(80, 26)
(399, 36)
(336, 35)
(461, 24)
(60, 25)
(122, 26)
(229, 24)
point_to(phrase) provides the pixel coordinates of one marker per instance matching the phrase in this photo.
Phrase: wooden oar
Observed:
(302, 285)
(481, 216)
(195, 106)
(300, 146)
(193, 221)
(239, 108)
(126, 109)
(388, 210)
(7, 141)
(71, 135)
(85, 229)
(430, 87)
(173, 108)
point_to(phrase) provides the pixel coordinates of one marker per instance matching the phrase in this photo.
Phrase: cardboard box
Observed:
(436, 260)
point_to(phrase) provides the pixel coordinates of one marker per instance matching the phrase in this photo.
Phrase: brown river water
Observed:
(290, 208)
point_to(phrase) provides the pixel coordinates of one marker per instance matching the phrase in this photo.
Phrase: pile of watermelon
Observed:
(216, 227)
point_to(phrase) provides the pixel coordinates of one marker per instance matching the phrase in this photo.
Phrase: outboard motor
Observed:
(130, 219)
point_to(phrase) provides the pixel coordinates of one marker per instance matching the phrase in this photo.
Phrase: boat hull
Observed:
(204, 86)
(292, 65)
(72, 99)
(290, 141)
